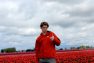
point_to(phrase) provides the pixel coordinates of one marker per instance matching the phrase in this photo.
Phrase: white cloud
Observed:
(71, 20)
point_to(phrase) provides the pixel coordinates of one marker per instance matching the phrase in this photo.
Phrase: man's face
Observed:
(44, 28)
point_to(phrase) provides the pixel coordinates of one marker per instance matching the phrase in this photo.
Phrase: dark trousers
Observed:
(50, 60)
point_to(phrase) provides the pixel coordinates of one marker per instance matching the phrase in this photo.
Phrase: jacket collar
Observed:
(47, 33)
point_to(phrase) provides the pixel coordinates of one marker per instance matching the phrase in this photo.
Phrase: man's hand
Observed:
(52, 38)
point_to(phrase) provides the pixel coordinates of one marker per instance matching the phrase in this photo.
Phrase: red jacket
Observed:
(45, 47)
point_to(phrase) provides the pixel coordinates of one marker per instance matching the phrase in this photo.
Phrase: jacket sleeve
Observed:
(56, 40)
(37, 48)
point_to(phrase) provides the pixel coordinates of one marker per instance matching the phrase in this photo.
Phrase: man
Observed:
(45, 45)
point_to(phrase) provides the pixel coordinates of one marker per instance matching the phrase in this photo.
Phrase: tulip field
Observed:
(77, 56)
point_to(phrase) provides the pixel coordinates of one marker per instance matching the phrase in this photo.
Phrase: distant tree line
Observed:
(9, 50)
(78, 48)
(13, 49)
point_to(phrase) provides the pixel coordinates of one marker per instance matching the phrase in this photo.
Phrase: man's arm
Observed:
(36, 48)
(56, 40)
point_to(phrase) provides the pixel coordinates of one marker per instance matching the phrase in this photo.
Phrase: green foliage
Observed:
(7, 50)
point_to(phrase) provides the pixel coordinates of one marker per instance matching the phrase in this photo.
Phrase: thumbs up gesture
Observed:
(52, 38)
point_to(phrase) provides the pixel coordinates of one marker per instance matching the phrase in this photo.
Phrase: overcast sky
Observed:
(71, 20)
